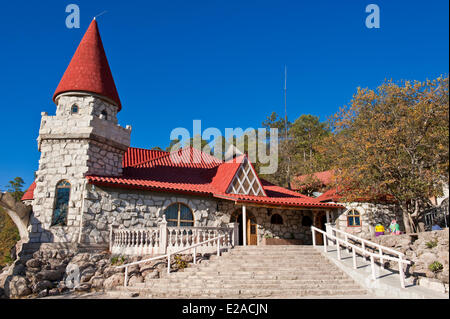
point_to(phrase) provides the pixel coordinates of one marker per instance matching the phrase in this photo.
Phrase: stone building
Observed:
(91, 185)
(359, 217)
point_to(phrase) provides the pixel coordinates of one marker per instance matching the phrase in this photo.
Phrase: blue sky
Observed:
(218, 61)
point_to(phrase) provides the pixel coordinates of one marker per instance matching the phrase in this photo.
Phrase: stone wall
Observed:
(371, 215)
(138, 209)
(422, 249)
(72, 146)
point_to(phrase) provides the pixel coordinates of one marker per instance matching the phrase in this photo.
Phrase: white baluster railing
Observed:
(362, 250)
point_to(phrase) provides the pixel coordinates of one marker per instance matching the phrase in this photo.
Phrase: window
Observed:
(179, 215)
(353, 218)
(104, 115)
(276, 219)
(74, 109)
(61, 204)
(307, 221)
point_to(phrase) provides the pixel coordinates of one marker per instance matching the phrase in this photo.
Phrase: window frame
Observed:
(77, 109)
(351, 214)
(179, 220)
(58, 186)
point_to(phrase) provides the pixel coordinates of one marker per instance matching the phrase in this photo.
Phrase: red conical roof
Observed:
(89, 70)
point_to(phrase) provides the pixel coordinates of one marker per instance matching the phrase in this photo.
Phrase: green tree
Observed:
(394, 141)
(15, 188)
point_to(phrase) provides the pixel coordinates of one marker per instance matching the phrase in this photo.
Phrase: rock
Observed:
(18, 287)
(97, 282)
(83, 287)
(19, 269)
(113, 281)
(42, 285)
(42, 293)
(33, 263)
(135, 279)
(53, 292)
(152, 275)
(87, 274)
(109, 271)
(51, 275)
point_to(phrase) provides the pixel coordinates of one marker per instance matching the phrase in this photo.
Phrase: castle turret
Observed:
(82, 138)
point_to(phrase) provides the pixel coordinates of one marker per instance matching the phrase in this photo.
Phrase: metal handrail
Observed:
(355, 248)
(362, 240)
(125, 283)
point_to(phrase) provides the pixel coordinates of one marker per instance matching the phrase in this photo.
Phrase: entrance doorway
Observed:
(319, 221)
(251, 227)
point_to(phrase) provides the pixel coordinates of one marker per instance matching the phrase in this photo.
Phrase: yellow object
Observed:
(379, 228)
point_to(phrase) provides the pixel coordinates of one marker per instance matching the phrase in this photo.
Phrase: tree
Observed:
(394, 142)
(15, 188)
(307, 132)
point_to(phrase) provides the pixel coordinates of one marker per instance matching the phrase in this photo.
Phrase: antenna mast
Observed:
(286, 130)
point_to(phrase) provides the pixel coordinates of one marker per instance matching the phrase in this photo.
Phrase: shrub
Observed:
(181, 264)
(117, 260)
(431, 244)
(435, 267)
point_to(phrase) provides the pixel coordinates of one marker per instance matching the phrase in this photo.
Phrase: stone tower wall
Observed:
(73, 146)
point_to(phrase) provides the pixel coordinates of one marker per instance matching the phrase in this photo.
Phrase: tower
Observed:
(82, 138)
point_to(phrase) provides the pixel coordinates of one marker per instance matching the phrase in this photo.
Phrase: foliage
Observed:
(15, 188)
(117, 260)
(394, 142)
(435, 267)
(9, 235)
(180, 263)
(432, 244)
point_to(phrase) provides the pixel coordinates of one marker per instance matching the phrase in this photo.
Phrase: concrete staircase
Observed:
(254, 272)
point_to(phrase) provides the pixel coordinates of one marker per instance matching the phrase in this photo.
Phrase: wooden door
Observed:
(252, 232)
(319, 223)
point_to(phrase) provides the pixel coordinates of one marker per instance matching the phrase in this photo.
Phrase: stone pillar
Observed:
(235, 238)
(244, 225)
(163, 236)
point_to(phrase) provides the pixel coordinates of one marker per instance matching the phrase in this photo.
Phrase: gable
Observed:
(246, 181)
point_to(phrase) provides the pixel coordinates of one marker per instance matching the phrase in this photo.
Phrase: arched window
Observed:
(61, 204)
(179, 215)
(353, 218)
(276, 219)
(104, 115)
(74, 109)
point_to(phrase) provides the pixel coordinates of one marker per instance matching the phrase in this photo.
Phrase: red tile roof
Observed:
(325, 177)
(89, 70)
(135, 156)
(203, 174)
(30, 192)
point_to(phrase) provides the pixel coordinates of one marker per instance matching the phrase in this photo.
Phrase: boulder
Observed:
(97, 282)
(114, 281)
(152, 275)
(51, 275)
(18, 287)
(33, 263)
(87, 274)
(42, 285)
(135, 279)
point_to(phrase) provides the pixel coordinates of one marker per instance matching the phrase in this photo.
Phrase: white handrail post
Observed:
(235, 234)
(363, 245)
(338, 247)
(372, 265)
(168, 264)
(244, 225)
(218, 246)
(381, 257)
(313, 231)
(401, 273)
(346, 243)
(125, 283)
(325, 240)
(195, 255)
(354, 258)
